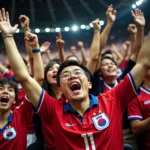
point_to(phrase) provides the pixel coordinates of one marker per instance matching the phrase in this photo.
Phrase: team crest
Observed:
(9, 134)
(101, 121)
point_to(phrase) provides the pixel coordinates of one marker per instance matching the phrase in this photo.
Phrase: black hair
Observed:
(8, 81)
(106, 52)
(107, 57)
(46, 85)
(73, 56)
(68, 63)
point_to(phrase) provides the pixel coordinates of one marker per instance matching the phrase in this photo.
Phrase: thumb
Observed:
(15, 27)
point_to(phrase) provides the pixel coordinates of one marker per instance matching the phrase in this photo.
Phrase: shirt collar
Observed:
(94, 102)
(10, 118)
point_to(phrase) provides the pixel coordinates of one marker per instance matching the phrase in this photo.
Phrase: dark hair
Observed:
(106, 52)
(107, 57)
(46, 85)
(73, 56)
(68, 63)
(5, 81)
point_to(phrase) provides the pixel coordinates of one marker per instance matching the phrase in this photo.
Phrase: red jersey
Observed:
(108, 87)
(139, 109)
(14, 135)
(8, 73)
(100, 127)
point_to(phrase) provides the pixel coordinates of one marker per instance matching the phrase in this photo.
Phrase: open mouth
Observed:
(74, 86)
(54, 76)
(4, 100)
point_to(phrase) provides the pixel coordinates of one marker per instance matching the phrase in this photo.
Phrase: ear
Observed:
(89, 85)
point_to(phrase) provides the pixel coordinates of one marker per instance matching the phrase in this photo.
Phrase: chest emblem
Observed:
(9, 134)
(101, 121)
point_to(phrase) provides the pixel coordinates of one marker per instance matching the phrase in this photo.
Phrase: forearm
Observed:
(91, 65)
(15, 59)
(104, 35)
(38, 68)
(139, 126)
(137, 43)
(84, 61)
(61, 54)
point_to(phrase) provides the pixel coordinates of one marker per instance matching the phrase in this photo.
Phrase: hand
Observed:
(5, 25)
(45, 47)
(24, 21)
(111, 14)
(80, 44)
(96, 25)
(132, 28)
(138, 17)
(113, 47)
(32, 40)
(59, 42)
(73, 49)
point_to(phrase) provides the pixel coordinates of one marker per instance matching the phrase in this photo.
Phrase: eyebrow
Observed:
(73, 70)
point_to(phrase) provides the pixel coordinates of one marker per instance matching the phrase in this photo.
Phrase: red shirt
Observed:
(139, 109)
(100, 127)
(13, 136)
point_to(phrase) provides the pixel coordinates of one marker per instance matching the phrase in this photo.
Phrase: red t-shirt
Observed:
(101, 126)
(14, 135)
(139, 109)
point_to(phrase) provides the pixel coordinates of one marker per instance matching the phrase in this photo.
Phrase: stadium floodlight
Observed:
(74, 27)
(138, 3)
(87, 27)
(83, 26)
(141, 1)
(66, 29)
(18, 30)
(101, 22)
(37, 30)
(57, 29)
(133, 6)
(91, 25)
(47, 29)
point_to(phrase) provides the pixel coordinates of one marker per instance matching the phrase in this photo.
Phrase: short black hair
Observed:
(4, 81)
(107, 57)
(106, 52)
(73, 56)
(68, 63)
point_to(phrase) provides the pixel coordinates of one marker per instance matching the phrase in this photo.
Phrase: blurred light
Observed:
(87, 27)
(57, 29)
(83, 26)
(18, 30)
(141, 1)
(47, 29)
(138, 3)
(37, 30)
(101, 22)
(133, 6)
(74, 28)
(66, 29)
(91, 25)
(52, 30)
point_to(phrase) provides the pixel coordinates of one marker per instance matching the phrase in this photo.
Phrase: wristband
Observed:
(37, 50)
(6, 36)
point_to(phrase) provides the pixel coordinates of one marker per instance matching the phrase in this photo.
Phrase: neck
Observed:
(4, 118)
(146, 84)
(80, 106)
(55, 90)
(110, 80)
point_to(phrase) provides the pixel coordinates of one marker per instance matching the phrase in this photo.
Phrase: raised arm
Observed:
(60, 46)
(29, 84)
(25, 24)
(91, 65)
(139, 19)
(83, 56)
(38, 69)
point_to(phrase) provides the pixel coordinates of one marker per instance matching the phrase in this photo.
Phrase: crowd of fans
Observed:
(81, 98)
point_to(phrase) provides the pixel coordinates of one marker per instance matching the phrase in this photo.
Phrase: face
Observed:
(74, 83)
(7, 97)
(52, 73)
(108, 69)
(73, 58)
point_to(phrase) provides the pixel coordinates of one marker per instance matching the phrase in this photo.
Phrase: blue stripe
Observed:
(132, 79)
(134, 118)
(40, 100)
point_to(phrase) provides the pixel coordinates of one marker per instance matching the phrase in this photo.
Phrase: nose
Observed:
(72, 76)
(5, 90)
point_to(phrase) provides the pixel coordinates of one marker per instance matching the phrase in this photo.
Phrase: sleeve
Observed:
(8, 73)
(124, 92)
(128, 68)
(134, 111)
(46, 106)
